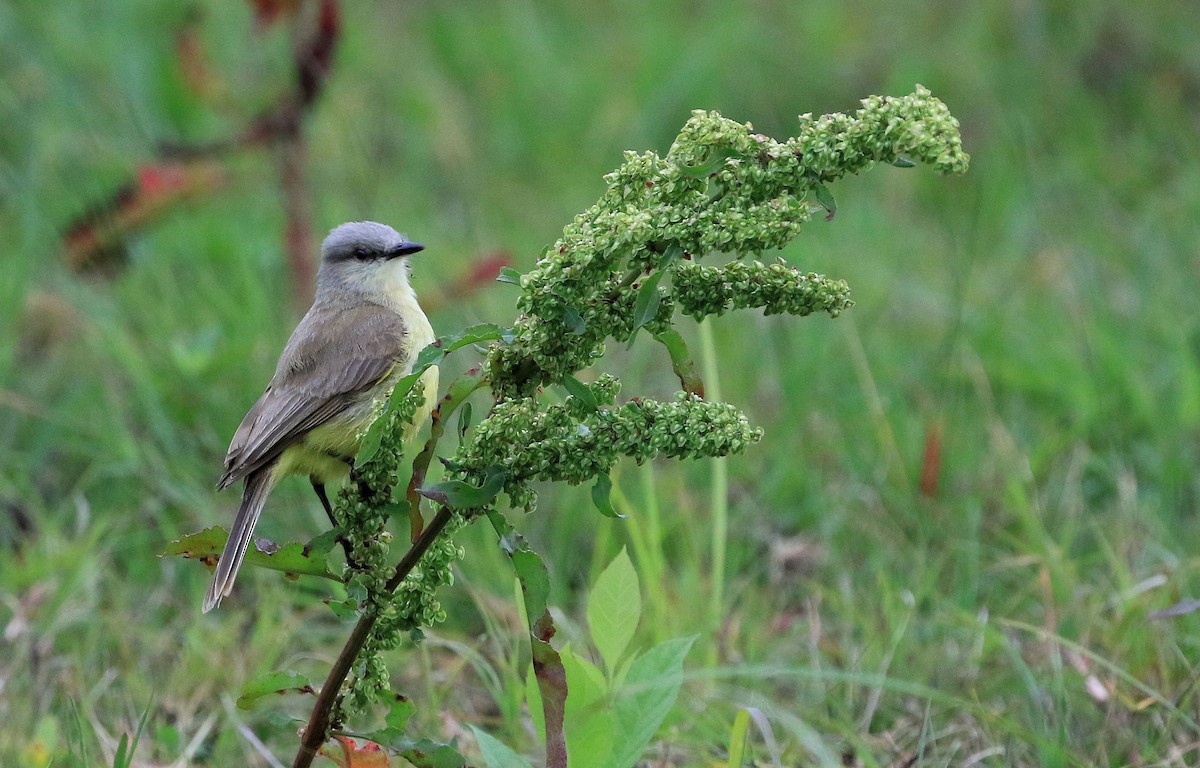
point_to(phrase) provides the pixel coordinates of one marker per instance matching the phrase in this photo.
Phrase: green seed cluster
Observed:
(776, 288)
(917, 127)
(721, 187)
(363, 518)
(414, 604)
(564, 442)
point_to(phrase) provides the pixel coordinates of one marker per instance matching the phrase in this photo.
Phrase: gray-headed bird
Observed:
(363, 332)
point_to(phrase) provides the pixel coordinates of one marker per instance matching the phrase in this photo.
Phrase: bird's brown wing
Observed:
(332, 358)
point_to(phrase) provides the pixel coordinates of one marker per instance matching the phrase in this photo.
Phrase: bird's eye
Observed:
(362, 254)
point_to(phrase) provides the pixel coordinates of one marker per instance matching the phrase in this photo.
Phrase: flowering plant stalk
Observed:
(622, 266)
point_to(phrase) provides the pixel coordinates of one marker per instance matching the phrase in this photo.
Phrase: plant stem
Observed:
(318, 722)
(719, 492)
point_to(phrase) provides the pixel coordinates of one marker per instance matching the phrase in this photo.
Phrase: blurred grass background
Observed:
(1038, 315)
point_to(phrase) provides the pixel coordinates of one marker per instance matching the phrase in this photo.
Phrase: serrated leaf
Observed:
(614, 609)
(458, 494)
(293, 558)
(601, 497)
(495, 753)
(279, 683)
(509, 275)
(580, 391)
(646, 698)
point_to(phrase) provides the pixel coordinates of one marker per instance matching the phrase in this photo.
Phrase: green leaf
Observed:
(495, 753)
(673, 253)
(547, 664)
(580, 391)
(530, 569)
(614, 609)
(903, 162)
(645, 306)
(681, 362)
(422, 753)
(458, 494)
(705, 167)
(737, 739)
(533, 698)
(464, 420)
(601, 492)
(574, 321)
(825, 198)
(590, 725)
(509, 275)
(646, 698)
(430, 754)
(346, 610)
(293, 558)
(279, 683)
(400, 711)
(120, 760)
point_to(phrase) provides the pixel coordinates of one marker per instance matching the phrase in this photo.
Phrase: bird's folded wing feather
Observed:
(331, 359)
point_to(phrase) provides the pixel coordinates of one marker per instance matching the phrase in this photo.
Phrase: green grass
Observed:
(1040, 311)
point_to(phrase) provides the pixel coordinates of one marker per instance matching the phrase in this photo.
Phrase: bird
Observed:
(362, 333)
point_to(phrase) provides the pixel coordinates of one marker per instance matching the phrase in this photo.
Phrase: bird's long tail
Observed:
(258, 486)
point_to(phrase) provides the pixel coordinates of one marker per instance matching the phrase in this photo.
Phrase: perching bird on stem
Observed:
(363, 332)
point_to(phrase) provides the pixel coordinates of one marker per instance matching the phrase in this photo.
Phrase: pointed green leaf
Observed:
(400, 711)
(464, 420)
(590, 724)
(580, 391)
(495, 753)
(645, 305)
(705, 167)
(825, 198)
(903, 162)
(681, 362)
(646, 698)
(293, 558)
(346, 610)
(509, 275)
(458, 494)
(614, 609)
(601, 493)
(574, 321)
(282, 682)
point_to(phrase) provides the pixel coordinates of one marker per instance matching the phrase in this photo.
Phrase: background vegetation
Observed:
(1029, 326)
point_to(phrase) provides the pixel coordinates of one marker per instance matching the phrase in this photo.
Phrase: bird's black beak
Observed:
(405, 249)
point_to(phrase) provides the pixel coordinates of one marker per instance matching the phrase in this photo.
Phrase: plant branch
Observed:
(318, 722)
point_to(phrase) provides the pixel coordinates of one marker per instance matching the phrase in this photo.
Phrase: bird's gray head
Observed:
(364, 257)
